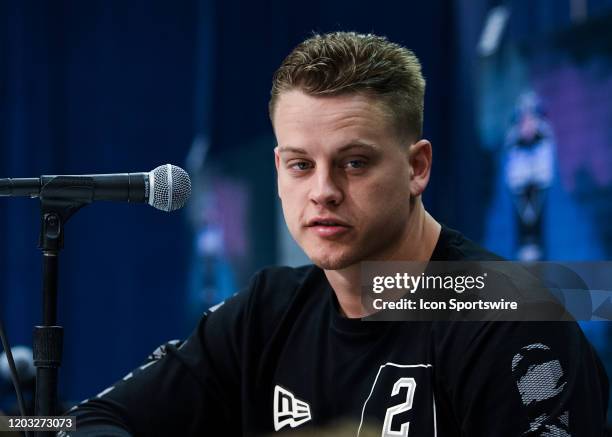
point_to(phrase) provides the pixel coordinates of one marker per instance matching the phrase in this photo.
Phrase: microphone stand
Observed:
(60, 198)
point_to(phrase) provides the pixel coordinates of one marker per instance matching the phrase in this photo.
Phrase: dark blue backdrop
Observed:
(94, 87)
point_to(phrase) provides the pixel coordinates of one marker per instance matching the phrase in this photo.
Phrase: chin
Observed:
(337, 261)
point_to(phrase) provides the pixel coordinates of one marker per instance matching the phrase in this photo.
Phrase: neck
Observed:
(421, 229)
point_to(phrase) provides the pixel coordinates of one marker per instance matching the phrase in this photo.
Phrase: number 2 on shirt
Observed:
(410, 385)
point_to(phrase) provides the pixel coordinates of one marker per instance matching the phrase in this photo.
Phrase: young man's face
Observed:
(343, 177)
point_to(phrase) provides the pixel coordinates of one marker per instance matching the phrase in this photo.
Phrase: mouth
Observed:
(328, 228)
(324, 221)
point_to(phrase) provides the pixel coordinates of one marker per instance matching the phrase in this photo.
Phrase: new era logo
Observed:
(288, 410)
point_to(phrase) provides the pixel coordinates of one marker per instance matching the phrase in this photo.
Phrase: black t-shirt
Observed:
(279, 356)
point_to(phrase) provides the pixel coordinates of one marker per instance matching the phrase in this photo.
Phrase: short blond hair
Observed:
(348, 62)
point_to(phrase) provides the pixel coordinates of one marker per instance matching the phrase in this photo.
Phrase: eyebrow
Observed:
(282, 149)
(351, 145)
(359, 145)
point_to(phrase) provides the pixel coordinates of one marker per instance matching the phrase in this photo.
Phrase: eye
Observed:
(355, 164)
(300, 165)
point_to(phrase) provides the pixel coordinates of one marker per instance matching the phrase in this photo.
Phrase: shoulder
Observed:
(244, 323)
(535, 373)
(278, 279)
(493, 350)
(269, 294)
(275, 287)
(454, 246)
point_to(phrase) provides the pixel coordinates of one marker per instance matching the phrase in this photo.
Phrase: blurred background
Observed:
(518, 108)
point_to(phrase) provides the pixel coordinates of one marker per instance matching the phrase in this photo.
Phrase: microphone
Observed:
(166, 187)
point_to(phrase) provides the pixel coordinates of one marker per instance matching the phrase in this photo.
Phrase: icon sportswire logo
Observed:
(289, 410)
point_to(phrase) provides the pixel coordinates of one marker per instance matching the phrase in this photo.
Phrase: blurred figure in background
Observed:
(218, 222)
(529, 173)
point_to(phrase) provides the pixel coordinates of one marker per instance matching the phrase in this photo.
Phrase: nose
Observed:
(326, 191)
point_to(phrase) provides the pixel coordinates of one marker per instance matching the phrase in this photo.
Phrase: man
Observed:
(530, 163)
(291, 352)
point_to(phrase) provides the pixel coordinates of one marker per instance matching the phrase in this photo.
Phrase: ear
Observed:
(419, 157)
(277, 164)
(276, 158)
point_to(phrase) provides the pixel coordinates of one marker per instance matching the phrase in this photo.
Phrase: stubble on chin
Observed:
(331, 261)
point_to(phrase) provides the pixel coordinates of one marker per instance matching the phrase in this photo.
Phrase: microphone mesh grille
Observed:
(171, 188)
